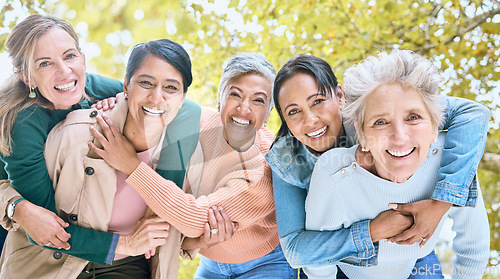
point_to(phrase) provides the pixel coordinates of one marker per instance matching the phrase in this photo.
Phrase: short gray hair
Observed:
(403, 67)
(245, 63)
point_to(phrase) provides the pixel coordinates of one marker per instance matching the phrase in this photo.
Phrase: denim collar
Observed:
(295, 165)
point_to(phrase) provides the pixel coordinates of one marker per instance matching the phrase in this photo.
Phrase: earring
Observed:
(32, 94)
(125, 94)
(265, 124)
(364, 149)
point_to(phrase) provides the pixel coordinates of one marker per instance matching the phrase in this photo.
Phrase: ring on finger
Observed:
(48, 244)
(214, 231)
(423, 238)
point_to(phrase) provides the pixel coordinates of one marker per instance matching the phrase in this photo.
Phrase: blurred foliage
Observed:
(461, 37)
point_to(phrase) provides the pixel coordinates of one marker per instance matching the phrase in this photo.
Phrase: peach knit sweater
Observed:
(240, 182)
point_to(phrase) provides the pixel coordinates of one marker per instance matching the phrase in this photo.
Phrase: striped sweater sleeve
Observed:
(244, 204)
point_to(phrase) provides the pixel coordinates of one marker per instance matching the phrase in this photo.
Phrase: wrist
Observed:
(16, 208)
(133, 167)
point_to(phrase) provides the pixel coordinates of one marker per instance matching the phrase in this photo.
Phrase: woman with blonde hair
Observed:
(49, 82)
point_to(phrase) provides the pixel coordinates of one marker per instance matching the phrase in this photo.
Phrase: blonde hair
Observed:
(20, 45)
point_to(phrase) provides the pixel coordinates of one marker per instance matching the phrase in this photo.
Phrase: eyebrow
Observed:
(44, 58)
(152, 77)
(308, 98)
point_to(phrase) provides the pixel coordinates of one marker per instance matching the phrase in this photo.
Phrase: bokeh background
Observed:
(461, 37)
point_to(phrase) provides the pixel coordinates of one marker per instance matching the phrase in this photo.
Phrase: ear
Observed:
(361, 141)
(24, 78)
(125, 86)
(340, 94)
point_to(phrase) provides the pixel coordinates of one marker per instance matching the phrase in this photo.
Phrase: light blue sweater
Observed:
(342, 193)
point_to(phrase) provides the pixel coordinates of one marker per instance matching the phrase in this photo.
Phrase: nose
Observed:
(244, 107)
(157, 97)
(399, 132)
(62, 68)
(310, 118)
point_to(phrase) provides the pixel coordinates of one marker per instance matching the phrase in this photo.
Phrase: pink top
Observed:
(128, 206)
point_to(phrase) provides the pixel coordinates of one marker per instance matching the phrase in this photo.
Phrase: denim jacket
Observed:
(466, 122)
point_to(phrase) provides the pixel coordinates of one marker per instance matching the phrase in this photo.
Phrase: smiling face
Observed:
(398, 131)
(155, 94)
(59, 69)
(244, 108)
(314, 119)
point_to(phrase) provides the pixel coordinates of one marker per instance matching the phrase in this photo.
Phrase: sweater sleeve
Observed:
(472, 241)
(188, 214)
(28, 175)
(99, 87)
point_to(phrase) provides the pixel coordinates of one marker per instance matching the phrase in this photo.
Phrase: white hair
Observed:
(402, 67)
(245, 63)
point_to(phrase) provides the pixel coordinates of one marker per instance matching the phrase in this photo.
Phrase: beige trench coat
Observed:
(90, 197)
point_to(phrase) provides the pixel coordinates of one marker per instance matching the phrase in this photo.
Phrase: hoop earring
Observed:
(32, 94)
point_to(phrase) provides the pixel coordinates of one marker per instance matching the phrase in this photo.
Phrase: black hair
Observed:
(318, 68)
(166, 49)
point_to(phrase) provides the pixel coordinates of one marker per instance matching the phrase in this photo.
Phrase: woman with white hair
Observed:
(393, 101)
(228, 170)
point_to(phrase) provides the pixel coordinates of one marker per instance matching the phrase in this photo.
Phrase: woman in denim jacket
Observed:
(308, 97)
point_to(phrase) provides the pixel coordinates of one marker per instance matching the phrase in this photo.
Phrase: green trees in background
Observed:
(461, 37)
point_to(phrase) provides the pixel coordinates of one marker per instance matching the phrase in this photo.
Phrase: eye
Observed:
(44, 64)
(234, 94)
(170, 89)
(70, 56)
(145, 84)
(379, 123)
(318, 101)
(260, 100)
(293, 112)
(414, 117)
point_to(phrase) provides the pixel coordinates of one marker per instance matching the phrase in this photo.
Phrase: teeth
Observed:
(66, 87)
(240, 122)
(400, 153)
(317, 133)
(153, 111)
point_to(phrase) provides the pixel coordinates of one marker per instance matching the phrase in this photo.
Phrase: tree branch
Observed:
(473, 23)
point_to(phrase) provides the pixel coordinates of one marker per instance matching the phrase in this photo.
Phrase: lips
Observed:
(317, 133)
(240, 122)
(401, 153)
(66, 87)
(153, 111)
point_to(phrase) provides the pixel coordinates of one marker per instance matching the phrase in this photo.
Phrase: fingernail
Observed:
(210, 209)
(214, 207)
(389, 241)
(220, 208)
(393, 206)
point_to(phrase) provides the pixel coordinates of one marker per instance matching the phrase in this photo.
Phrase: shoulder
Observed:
(336, 159)
(210, 118)
(100, 87)
(266, 139)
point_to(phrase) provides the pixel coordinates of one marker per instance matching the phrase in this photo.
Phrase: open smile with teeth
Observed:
(401, 153)
(240, 122)
(67, 86)
(153, 111)
(318, 133)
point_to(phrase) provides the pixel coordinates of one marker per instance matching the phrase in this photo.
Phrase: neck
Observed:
(140, 135)
(240, 145)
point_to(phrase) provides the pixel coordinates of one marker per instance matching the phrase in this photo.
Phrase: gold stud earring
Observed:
(32, 94)
(364, 149)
